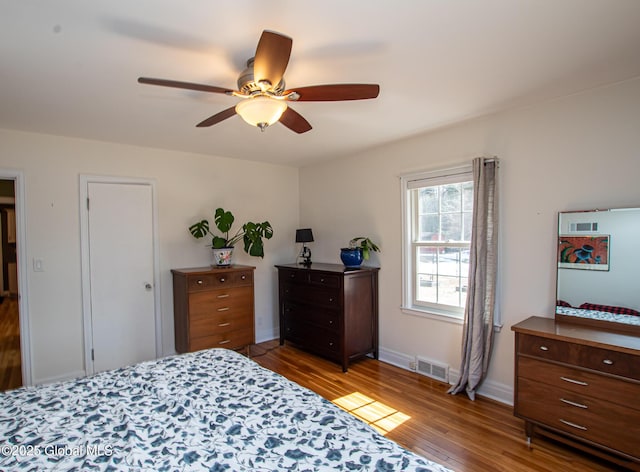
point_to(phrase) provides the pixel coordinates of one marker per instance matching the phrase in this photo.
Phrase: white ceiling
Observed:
(69, 67)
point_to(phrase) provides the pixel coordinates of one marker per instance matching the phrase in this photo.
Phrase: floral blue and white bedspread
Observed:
(211, 410)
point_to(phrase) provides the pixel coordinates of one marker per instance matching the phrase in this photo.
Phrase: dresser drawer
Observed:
(627, 393)
(611, 362)
(291, 276)
(313, 295)
(230, 340)
(219, 323)
(203, 304)
(601, 360)
(324, 280)
(197, 283)
(546, 348)
(321, 340)
(327, 319)
(603, 422)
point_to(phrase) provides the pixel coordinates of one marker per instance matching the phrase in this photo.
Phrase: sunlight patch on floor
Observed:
(382, 417)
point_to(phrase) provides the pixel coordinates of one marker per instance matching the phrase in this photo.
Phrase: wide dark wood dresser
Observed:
(330, 310)
(213, 308)
(579, 385)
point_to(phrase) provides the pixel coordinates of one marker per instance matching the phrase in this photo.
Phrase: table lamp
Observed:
(305, 236)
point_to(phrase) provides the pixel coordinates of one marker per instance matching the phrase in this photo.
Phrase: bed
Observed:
(210, 410)
(601, 314)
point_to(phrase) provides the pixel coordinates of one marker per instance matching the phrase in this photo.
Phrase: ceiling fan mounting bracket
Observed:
(248, 85)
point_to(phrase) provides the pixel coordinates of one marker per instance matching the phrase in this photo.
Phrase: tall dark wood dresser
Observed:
(329, 310)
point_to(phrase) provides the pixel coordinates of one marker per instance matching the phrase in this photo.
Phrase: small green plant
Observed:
(365, 245)
(250, 233)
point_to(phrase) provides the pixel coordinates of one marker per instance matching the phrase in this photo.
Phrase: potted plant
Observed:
(251, 234)
(359, 249)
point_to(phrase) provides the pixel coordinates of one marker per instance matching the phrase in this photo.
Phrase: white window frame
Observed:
(408, 183)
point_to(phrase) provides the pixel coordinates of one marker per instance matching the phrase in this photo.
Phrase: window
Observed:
(437, 233)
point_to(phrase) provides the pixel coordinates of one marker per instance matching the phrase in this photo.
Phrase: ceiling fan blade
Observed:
(336, 92)
(294, 121)
(183, 85)
(218, 117)
(272, 57)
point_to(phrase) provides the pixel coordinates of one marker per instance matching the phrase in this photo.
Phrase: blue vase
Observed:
(351, 258)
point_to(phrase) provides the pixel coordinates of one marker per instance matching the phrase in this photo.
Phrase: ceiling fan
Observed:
(262, 89)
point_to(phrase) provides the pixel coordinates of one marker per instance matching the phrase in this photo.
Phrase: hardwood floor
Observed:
(463, 435)
(10, 361)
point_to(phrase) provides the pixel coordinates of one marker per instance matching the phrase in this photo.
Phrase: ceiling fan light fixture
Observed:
(261, 87)
(261, 111)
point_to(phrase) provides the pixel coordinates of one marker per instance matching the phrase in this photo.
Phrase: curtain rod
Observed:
(493, 159)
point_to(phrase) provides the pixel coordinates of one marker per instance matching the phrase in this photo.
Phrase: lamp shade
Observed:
(261, 111)
(304, 235)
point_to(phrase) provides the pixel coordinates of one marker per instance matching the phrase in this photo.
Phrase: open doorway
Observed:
(10, 355)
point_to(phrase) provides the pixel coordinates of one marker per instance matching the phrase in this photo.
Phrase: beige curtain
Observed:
(483, 261)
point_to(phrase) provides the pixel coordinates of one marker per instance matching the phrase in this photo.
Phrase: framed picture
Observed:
(583, 252)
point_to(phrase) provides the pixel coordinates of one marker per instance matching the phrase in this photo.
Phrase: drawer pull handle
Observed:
(224, 295)
(293, 276)
(577, 382)
(322, 280)
(225, 308)
(578, 405)
(573, 425)
(331, 299)
(222, 325)
(607, 361)
(227, 341)
(243, 277)
(544, 348)
(199, 281)
(222, 280)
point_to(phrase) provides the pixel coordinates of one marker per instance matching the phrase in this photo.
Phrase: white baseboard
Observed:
(396, 358)
(267, 335)
(60, 378)
(494, 390)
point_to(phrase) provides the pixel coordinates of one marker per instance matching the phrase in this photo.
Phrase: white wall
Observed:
(188, 186)
(578, 152)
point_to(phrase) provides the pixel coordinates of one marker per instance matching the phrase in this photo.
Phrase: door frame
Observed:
(85, 180)
(23, 293)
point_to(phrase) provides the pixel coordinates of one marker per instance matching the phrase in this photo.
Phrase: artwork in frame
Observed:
(583, 252)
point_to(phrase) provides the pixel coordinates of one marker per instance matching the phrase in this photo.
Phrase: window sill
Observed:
(432, 314)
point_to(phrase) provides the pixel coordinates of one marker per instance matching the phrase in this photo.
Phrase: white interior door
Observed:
(121, 274)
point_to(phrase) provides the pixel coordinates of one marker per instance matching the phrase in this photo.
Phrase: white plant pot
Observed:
(222, 256)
